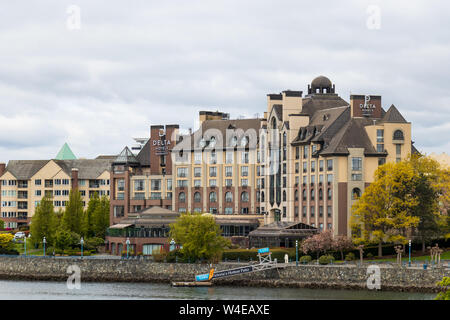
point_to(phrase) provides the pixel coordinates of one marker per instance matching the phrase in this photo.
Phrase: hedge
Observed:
(252, 254)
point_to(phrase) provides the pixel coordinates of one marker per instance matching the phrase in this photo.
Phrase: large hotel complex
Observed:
(300, 166)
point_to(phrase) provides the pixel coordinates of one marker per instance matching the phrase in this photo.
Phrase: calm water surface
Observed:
(40, 290)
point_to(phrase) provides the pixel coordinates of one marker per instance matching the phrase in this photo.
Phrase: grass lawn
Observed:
(444, 256)
(30, 250)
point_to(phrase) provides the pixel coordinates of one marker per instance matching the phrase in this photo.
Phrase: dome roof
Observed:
(321, 82)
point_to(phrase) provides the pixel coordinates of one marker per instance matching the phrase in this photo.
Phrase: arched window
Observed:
(197, 197)
(329, 193)
(274, 123)
(356, 193)
(312, 194)
(244, 196)
(228, 197)
(212, 197)
(284, 195)
(320, 194)
(258, 197)
(398, 135)
(296, 195)
(304, 194)
(182, 197)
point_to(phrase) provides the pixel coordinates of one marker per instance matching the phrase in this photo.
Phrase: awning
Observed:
(120, 226)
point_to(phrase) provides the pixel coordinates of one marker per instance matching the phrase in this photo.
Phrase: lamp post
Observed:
(128, 246)
(172, 245)
(296, 253)
(44, 242)
(82, 242)
(25, 244)
(409, 263)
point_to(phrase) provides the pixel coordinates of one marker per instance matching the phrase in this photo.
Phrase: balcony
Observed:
(22, 184)
(48, 184)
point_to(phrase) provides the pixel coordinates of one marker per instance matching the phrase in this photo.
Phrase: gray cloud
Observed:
(148, 62)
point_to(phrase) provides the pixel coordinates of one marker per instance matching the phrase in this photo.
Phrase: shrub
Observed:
(370, 255)
(326, 259)
(350, 256)
(159, 257)
(305, 259)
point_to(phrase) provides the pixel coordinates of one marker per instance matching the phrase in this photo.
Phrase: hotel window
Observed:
(329, 226)
(297, 180)
(4, 182)
(398, 135)
(197, 157)
(197, 197)
(284, 212)
(169, 184)
(312, 194)
(228, 197)
(169, 195)
(229, 157)
(356, 176)
(182, 210)
(356, 193)
(356, 164)
(313, 179)
(320, 178)
(139, 185)
(297, 167)
(380, 147)
(228, 210)
(262, 183)
(244, 196)
(304, 195)
(398, 151)
(244, 210)
(83, 193)
(212, 182)
(83, 182)
(244, 156)
(297, 153)
(197, 172)
(182, 197)
(37, 193)
(329, 211)
(313, 166)
(57, 181)
(284, 182)
(65, 181)
(305, 167)
(320, 165)
(262, 196)
(305, 152)
(212, 171)
(153, 196)
(244, 171)
(155, 184)
(57, 193)
(284, 195)
(197, 182)
(313, 148)
(212, 197)
(320, 211)
(304, 212)
(182, 183)
(37, 182)
(329, 178)
(329, 193)
(213, 157)
(284, 168)
(381, 161)
(305, 179)
(197, 210)
(296, 211)
(121, 185)
(380, 135)
(312, 211)
(320, 194)
(229, 171)
(228, 182)
(119, 211)
(244, 182)
(330, 165)
(321, 226)
(182, 172)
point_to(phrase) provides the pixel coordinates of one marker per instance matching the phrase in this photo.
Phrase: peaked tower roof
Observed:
(65, 153)
(393, 115)
(126, 157)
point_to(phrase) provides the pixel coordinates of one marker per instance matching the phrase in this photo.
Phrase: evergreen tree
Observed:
(43, 223)
(73, 216)
(88, 220)
(100, 218)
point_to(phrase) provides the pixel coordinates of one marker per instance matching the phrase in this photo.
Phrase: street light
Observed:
(409, 263)
(128, 246)
(296, 253)
(44, 242)
(25, 244)
(82, 242)
(172, 245)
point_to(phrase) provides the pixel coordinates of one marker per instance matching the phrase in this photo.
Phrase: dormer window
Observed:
(398, 135)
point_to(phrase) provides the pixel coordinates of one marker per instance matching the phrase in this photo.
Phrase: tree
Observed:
(445, 295)
(72, 218)
(88, 219)
(321, 242)
(383, 212)
(65, 239)
(342, 243)
(2, 224)
(43, 223)
(100, 218)
(199, 236)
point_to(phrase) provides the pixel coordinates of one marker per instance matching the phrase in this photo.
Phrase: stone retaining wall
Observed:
(312, 276)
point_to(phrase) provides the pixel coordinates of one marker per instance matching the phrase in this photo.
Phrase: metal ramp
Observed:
(265, 263)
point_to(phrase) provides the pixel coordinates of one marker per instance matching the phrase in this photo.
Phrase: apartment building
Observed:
(23, 184)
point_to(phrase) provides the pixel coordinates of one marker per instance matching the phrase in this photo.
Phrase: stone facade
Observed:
(312, 276)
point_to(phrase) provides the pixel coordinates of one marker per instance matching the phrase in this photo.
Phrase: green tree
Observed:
(2, 224)
(88, 219)
(445, 295)
(100, 218)
(383, 212)
(199, 236)
(43, 223)
(65, 239)
(73, 216)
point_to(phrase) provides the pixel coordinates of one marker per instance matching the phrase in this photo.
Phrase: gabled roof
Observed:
(87, 168)
(65, 153)
(393, 115)
(25, 169)
(126, 157)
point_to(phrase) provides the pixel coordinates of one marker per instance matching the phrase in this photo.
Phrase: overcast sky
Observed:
(136, 63)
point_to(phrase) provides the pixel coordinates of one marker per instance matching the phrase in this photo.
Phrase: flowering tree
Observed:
(342, 243)
(318, 243)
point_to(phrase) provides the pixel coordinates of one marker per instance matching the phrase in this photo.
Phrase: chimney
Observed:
(74, 178)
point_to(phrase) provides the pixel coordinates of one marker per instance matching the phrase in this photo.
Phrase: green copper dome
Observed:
(65, 153)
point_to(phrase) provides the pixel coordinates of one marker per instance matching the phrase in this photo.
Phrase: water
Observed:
(41, 290)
